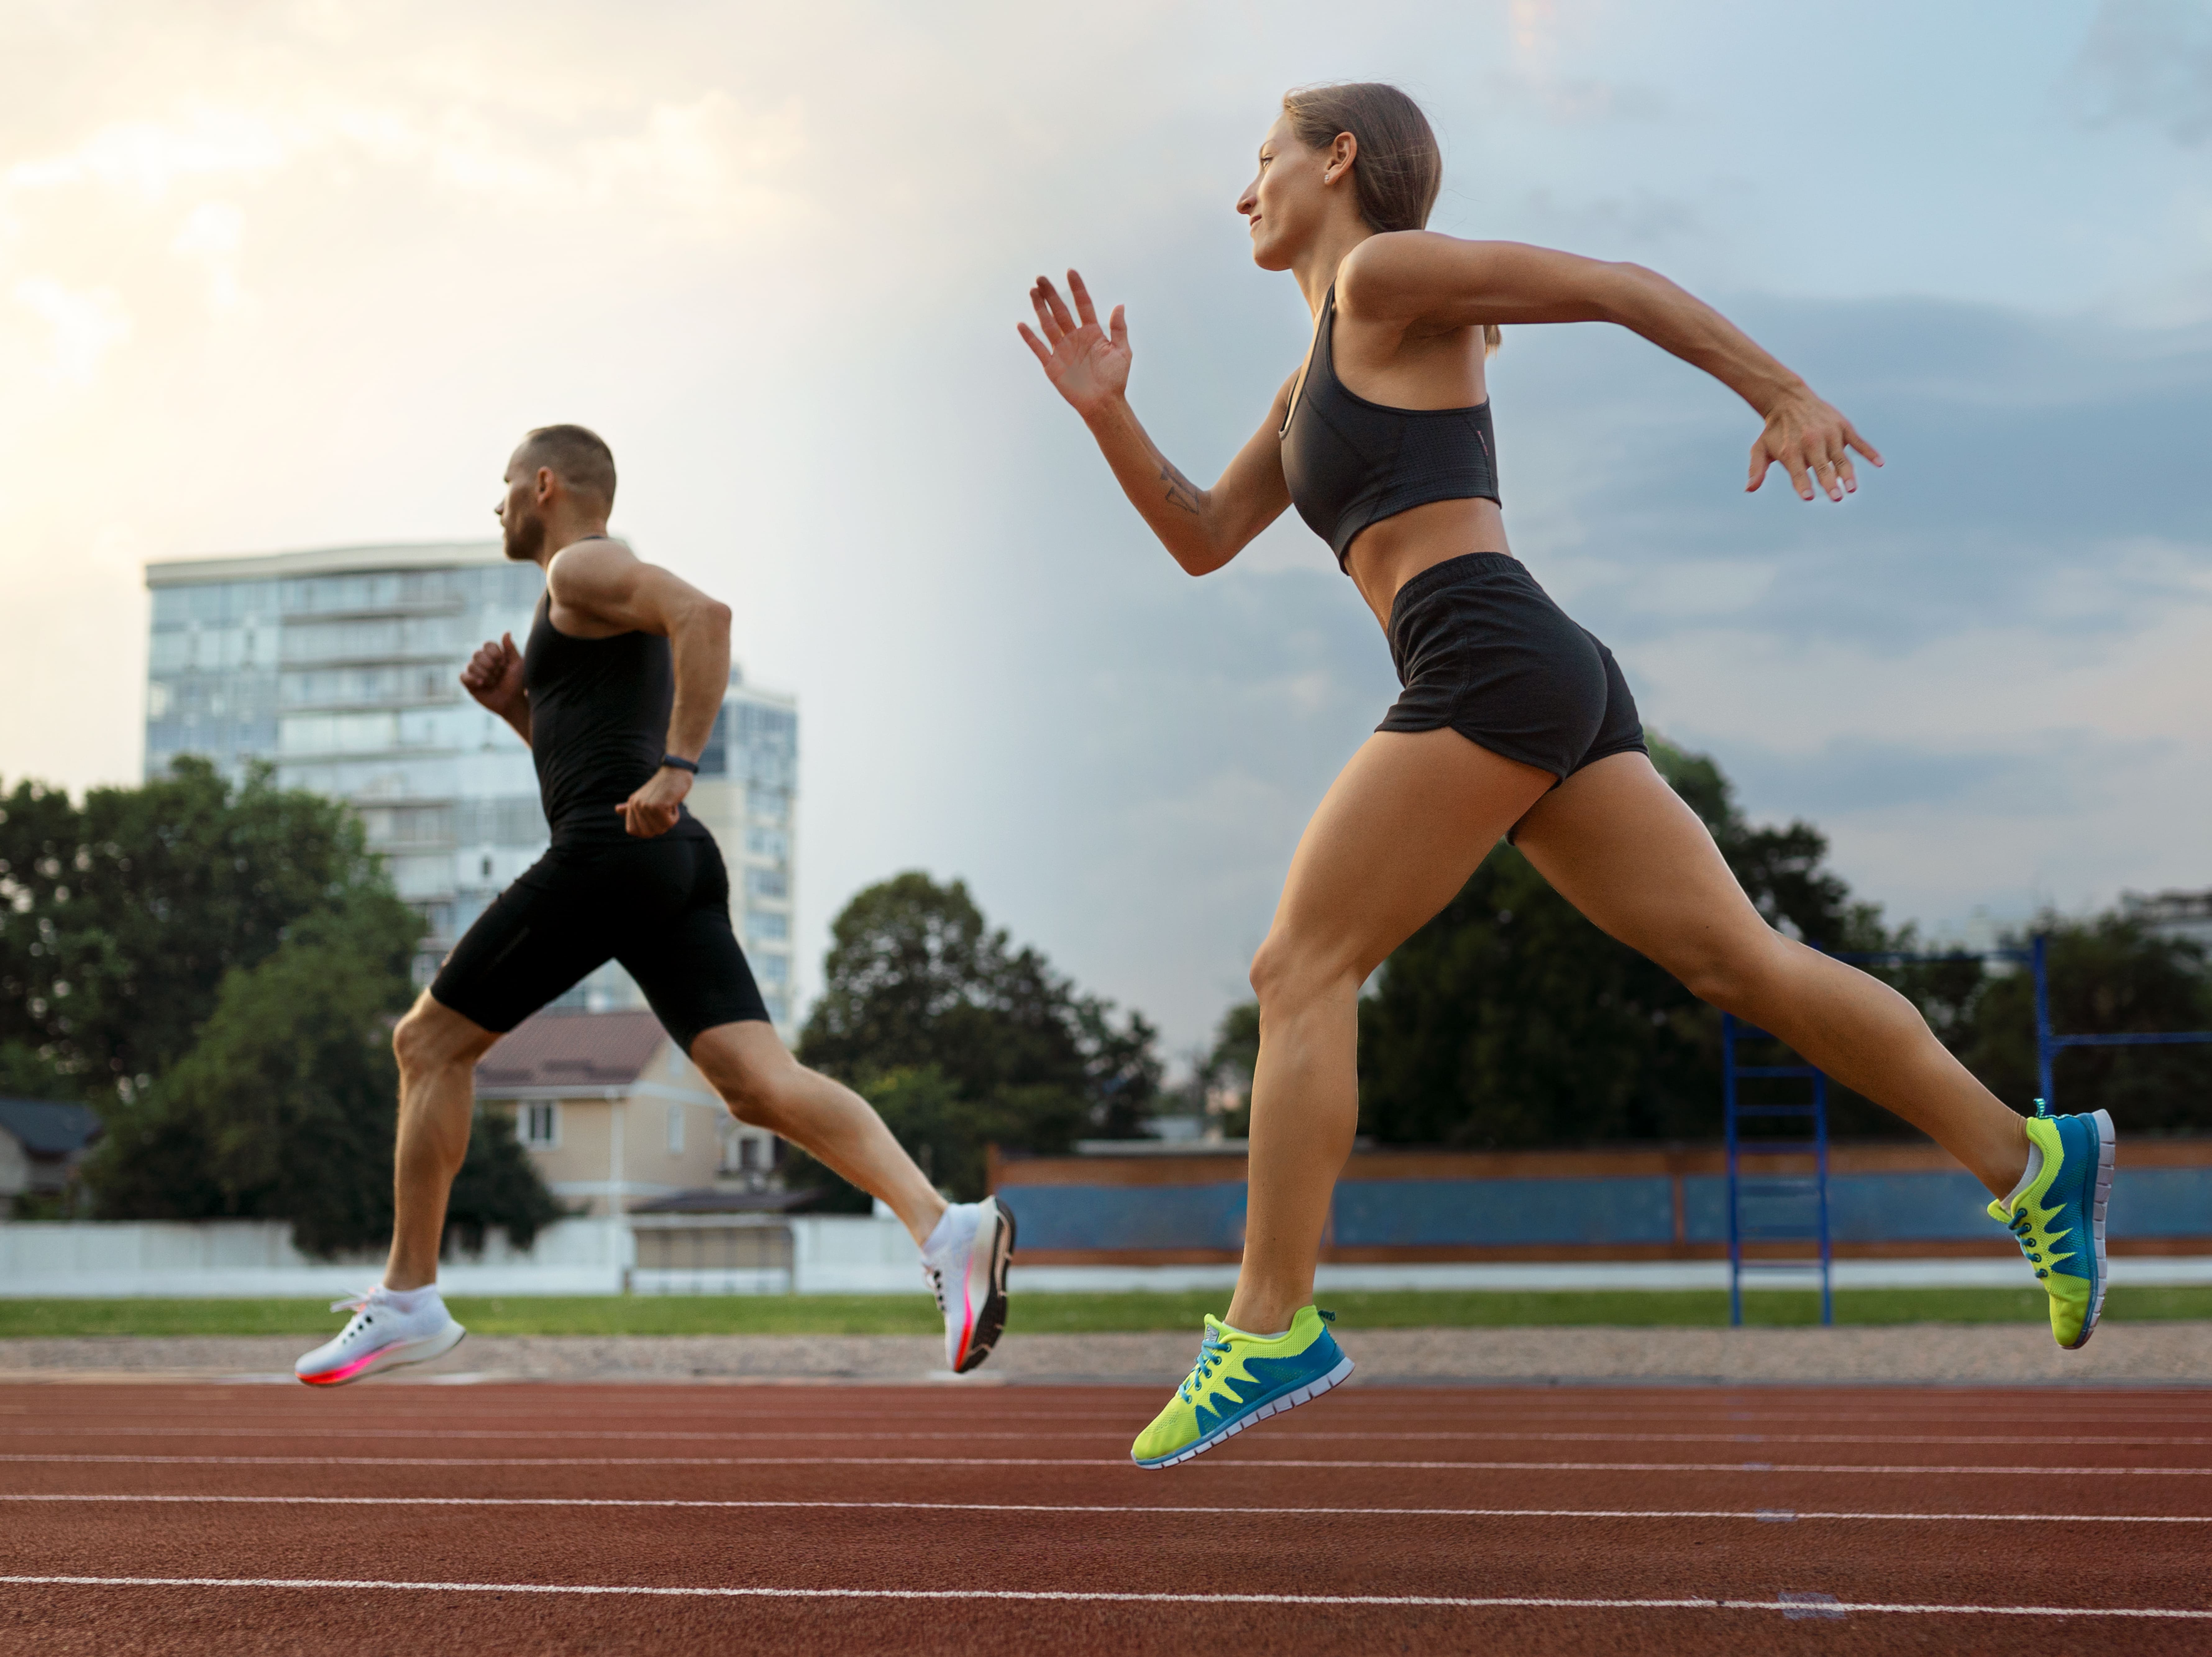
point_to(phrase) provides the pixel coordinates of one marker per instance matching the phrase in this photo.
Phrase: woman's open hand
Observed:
(1087, 364)
(1811, 441)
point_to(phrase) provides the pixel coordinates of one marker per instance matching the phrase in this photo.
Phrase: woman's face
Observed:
(1287, 200)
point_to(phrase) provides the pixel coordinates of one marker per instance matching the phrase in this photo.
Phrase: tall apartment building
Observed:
(341, 667)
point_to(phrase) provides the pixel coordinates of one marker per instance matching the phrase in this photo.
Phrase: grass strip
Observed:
(1085, 1315)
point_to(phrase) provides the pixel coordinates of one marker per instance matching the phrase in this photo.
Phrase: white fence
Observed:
(805, 1254)
(251, 1258)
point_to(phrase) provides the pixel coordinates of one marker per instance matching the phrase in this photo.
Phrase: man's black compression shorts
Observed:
(661, 907)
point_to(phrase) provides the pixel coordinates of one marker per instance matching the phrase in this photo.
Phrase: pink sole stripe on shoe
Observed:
(332, 1377)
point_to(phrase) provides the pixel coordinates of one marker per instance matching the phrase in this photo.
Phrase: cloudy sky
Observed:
(275, 276)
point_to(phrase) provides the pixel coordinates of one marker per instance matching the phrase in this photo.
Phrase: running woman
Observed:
(1514, 723)
(616, 694)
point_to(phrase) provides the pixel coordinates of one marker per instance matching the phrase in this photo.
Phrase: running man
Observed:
(616, 694)
(1514, 723)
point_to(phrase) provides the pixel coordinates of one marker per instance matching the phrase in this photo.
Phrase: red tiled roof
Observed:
(572, 1049)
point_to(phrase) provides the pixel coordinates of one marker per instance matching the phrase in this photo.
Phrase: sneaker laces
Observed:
(353, 1302)
(1213, 1351)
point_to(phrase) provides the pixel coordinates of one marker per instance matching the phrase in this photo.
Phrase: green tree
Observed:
(121, 918)
(961, 1039)
(946, 1131)
(1224, 1069)
(1509, 1021)
(216, 969)
(285, 1107)
(25, 1072)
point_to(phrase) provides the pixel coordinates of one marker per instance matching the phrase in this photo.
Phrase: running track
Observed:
(492, 1518)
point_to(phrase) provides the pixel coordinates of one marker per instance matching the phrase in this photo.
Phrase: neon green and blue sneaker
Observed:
(2057, 1213)
(1241, 1379)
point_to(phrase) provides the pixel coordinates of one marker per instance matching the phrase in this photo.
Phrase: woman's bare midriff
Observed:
(1388, 554)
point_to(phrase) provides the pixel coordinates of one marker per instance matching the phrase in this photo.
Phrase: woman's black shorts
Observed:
(1481, 648)
(661, 907)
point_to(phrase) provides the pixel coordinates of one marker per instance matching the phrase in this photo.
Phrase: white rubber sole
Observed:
(988, 1320)
(2107, 1149)
(1229, 1429)
(397, 1356)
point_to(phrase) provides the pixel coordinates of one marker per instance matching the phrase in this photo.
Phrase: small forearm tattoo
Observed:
(1181, 490)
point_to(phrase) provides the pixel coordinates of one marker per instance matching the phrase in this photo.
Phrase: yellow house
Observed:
(615, 1116)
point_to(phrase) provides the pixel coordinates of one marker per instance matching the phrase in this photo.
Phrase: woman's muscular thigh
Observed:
(1621, 846)
(1399, 832)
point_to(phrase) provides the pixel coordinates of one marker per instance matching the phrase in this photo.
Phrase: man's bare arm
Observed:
(600, 588)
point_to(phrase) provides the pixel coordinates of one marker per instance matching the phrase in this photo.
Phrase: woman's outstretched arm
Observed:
(1088, 365)
(1421, 277)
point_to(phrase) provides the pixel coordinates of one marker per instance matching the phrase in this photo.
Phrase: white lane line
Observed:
(1375, 1425)
(1762, 1515)
(2033, 1470)
(841, 1433)
(1529, 1602)
(1370, 1405)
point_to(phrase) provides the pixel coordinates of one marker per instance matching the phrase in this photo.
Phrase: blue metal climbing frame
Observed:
(1770, 1206)
(2048, 1046)
(1793, 1207)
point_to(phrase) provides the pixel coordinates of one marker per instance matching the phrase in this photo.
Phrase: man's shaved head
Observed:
(576, 455)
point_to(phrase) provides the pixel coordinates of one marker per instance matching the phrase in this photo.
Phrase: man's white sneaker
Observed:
(965, 1261)
(386, 1330)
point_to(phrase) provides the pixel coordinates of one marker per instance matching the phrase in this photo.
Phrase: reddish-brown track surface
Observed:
(388, 1518)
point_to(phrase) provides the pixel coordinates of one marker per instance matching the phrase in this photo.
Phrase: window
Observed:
(540, 1126)
(768, 843)
(766, 929)
(676, 1130)
(748, 1151)
(772, 883)
(714, 757)
(772, 969)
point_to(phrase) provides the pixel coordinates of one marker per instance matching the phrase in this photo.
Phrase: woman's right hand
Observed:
(1087, 364)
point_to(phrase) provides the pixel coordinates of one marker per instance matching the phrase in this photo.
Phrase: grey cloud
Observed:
(2041, 474)
(2148, 61)
(2042, 774)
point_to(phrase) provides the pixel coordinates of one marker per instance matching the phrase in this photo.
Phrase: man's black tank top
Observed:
(599, 724)
(1351, 463)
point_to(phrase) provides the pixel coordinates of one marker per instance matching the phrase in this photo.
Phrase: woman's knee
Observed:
(1289, 974)
(1733, 972)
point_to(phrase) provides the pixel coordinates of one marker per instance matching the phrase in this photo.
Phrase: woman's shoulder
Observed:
(1394, 272)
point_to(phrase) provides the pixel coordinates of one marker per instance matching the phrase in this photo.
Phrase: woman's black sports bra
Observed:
(1351, 463)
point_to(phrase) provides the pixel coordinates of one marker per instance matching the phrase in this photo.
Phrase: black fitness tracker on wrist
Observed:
(680, 763)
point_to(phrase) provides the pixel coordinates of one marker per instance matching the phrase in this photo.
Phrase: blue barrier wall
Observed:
(1129, 1216)
(1432, 1213)
(1629, 1210)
